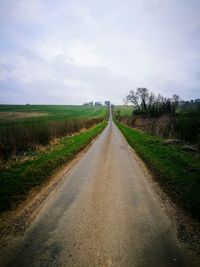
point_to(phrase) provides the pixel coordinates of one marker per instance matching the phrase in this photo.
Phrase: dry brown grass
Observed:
(22, 138)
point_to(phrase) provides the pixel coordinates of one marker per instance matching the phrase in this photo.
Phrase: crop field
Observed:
(25, 127)
(124, 110)
(12, 114)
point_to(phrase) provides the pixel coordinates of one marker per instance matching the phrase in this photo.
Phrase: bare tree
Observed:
(176, 98)
(148, 103)
(133, 98)
(152, 99)
(143, 95)
(142, 99)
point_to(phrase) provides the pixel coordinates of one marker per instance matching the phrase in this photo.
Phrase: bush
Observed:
(187, 126)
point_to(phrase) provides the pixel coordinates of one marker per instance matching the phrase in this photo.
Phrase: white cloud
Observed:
(83, 54)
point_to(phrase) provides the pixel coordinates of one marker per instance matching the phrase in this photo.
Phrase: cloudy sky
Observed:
(72, 51)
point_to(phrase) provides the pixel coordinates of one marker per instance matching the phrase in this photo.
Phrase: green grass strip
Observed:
(176, 170)
(17, 179)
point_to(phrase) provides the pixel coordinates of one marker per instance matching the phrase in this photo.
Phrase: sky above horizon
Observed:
(74, 51)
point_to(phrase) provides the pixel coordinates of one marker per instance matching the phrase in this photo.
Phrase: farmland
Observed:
(24, 128)
(13, 114)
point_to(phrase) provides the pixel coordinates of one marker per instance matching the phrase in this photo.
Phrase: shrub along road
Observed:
(104, 213)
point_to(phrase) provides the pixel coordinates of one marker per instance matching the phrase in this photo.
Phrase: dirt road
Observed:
(104, 213)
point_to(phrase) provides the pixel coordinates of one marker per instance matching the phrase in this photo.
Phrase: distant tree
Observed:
(133, 98)
(142, 99)
(175, 101)
(148, 103)
(176, 98)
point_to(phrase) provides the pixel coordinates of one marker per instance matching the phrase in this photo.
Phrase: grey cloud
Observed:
(74, 51)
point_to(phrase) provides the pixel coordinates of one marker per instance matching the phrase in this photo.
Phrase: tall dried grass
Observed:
(185, 126)
(20, 138)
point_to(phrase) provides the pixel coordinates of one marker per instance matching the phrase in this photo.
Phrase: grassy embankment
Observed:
(17, 178)
(177, 171)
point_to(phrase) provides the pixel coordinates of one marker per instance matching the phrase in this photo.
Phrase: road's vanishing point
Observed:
(104, 213)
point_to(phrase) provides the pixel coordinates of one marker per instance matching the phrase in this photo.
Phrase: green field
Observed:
(12, 114)
(177, 171)
(25, 127)
(124, 110)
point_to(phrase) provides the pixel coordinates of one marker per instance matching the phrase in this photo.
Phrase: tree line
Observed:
(147, 103)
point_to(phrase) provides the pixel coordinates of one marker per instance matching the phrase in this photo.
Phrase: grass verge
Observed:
(18, 178)
(177, 171)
